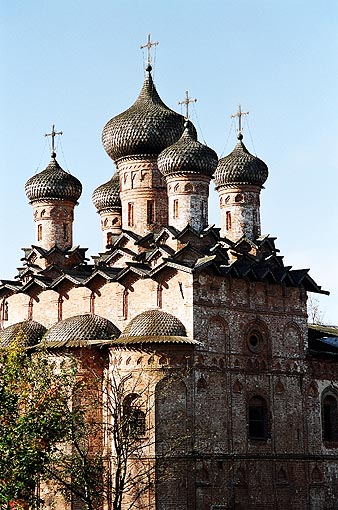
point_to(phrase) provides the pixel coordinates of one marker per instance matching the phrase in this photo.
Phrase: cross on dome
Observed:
(53, 135)
(186, 101)
(239, 114)
(149, 45)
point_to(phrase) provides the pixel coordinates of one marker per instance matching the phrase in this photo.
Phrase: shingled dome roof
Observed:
(81, 329)
(27, 332)
(240, 167)
(187, 156)
(53, 183)
(154, 326)
(146, 128)
(107, 195)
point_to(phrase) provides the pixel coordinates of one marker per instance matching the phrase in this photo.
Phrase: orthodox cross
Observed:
(53, 135)
(186, 101)
(148, 46)
(239, 114)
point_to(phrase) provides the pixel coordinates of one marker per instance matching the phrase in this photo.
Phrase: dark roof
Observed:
(107, 195)
(28, 332)
(81, 328)
(53, 183)
(146, 128)
(187, 156)
(240, 167)
(323, 340)
(154, 323)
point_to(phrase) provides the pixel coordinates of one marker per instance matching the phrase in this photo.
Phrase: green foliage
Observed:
(34, 398)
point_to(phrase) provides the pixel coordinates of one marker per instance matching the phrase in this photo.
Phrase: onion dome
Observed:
(187, 156)
(53, 183)
(154, 326)
(27, 333)
(107, 195)
(240, 167)
(80, 330)
(146, 128)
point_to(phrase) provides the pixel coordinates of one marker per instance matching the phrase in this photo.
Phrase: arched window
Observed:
(134, 419)
(330, 418)
(39, 232)
(159, 295)
(4, 310)
(228, 220)
(92, 303)
(109, 239)
(30, 309)
(175, 209)
(258, 418)
(65, 232)
(125, 304)
(60, 301)
(150, 212)
(130, 214)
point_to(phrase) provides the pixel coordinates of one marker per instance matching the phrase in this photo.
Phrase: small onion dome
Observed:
(154, 326)
(240, 167)
(107, 195)
(187, 156)
(80, 330)
(146, 128)
(27, 333)
(53, 183)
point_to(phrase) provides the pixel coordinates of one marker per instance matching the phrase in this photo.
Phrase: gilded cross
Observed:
(239, 114)
(149, 46)
(186, 101)
(53, 135)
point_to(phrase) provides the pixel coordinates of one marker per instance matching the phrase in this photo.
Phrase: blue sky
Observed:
(77, 64)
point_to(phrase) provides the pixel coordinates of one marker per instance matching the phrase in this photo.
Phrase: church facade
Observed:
(254, 413)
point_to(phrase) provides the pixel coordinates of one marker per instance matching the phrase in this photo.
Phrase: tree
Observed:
(315, 313)
(33, 398)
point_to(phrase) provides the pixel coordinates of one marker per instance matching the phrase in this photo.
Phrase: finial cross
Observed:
(53, 135)
(149, 46)
(239, 114)
(186, 101)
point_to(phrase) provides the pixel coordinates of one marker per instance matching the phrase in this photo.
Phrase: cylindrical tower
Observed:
(188, 166)
(53, 193)
(239, 178)
(133, 139)
(106, 199)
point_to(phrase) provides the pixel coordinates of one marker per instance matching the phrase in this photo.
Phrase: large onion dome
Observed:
(107, 195)
(80, 330)
(146, 128)
(154, 326)
(53, 183)
(187, 156)
(240, 167)
(27, 333)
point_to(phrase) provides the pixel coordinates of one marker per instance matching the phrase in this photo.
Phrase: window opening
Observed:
(150, 212)
(228, 220)
(4, 310)
(134, 419)
(92, 303)
(109, 238)
(130, 214)
(330, 418)
(258, 418)
(60, 301)
(159, 295)
(65, 231)
(175, 209)
(39, 232)
(30, 309)
(125, 304)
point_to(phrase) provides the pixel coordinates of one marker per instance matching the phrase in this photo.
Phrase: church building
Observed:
(252, 416)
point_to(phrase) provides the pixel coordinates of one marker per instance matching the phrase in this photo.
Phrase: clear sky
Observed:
(77, 63)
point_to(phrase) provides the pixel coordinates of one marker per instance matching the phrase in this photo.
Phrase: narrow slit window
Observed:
(175, 209)
(39, 232)
(228, 220)
(330, 418)
(130, 214)
(150, 212)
